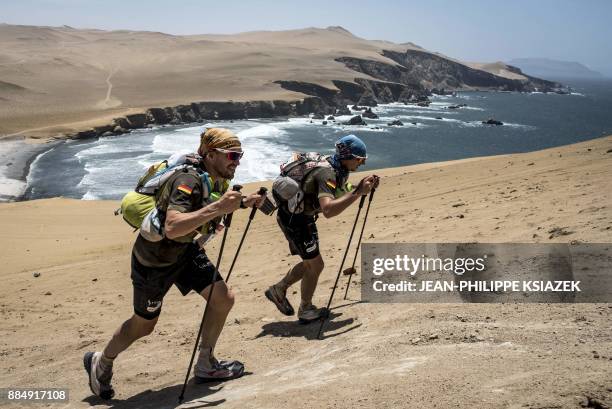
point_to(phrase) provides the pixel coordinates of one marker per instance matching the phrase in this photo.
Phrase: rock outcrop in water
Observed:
(492, 121)
(369, 114)
(356, 120)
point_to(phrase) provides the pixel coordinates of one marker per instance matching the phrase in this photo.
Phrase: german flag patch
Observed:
(331, 184)
(185, 189)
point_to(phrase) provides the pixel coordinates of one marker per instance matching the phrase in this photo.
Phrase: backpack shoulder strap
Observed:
(321, 163)
(163, 195)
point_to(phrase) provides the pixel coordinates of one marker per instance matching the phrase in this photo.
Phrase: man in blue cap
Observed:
(326, 190)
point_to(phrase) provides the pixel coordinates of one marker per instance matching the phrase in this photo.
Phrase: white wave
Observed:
(373, 129)
(450, 120)
(106, 148)
(193, 130)
(433, 107)
(381, 119)
(521, 126)
(338, 124)
(298, 120)
(100, 149)
(259, 141)
(411, 118)
(392, 104)
(11, 188)
(167, 143)
(146, 161)
(475, 124)
(110, 177)
(468, 97)
(296, 123)
(470, 124)
(408, 123)
(260, 131)
(89, 195)
(429, 111)
(34, 170)
(262, 153)
(577, 94)
(343, 118)
(359, 128)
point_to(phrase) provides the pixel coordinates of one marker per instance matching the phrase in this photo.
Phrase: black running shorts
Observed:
(193, 271)
(301, 232)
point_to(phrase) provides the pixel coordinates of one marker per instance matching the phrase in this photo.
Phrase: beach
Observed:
(371, 355)
(17, 155)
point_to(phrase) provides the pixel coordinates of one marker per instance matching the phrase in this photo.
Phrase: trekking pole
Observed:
(351, 271)
(341, 265)
(261, 191)
(228, 222)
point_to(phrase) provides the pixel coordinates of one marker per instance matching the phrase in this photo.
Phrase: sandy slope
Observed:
(497, 68)
(479, 356)
(57, 79)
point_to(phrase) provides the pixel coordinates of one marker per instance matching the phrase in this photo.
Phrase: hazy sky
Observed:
(471, 30)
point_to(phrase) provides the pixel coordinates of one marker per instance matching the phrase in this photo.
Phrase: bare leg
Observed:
(312, 269)
(131, 330)
(222, 302)
(295, 274)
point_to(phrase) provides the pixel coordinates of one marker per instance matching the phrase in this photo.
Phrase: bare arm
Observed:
(333, 207)
(180, 224)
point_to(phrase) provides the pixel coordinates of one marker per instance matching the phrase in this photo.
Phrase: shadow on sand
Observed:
(167, 398)
(195, 394)
(308, 331)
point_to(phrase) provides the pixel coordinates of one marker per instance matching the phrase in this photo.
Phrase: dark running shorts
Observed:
(193, 271)
(301, 232)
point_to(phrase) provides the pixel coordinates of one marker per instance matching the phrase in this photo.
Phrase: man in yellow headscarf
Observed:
(186, 202)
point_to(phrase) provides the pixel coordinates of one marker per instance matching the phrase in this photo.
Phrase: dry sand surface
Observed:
(58, 79)
(372, 355)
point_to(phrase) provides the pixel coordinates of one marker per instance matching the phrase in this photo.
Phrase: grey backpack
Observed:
(287, 187)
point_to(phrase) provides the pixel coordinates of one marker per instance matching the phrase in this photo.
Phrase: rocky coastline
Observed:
(414, 77)
(203, 111)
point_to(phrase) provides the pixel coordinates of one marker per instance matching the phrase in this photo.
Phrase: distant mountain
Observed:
(546, 68)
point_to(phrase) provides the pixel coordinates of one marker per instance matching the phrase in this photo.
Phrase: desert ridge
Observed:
(59, 82)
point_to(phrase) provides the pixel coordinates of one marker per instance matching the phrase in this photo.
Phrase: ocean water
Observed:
(107, 168)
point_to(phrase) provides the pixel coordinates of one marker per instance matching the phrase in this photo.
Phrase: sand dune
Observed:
(57, 79)
(497, 68)
(372, 355)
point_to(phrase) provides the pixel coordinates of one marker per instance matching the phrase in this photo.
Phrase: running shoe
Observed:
(279, 298)
(221, 371)
(311, 313)
(100, 386)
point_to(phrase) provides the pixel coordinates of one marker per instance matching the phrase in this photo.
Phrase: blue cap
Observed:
(349, 147)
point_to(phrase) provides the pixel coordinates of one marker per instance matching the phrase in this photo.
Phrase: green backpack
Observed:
(136, 205)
